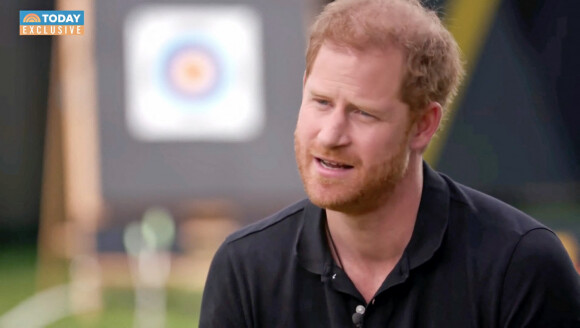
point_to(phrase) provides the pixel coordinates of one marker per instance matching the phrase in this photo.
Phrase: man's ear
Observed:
(426, 123)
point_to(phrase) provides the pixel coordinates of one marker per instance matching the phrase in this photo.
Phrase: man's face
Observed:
(351, 139)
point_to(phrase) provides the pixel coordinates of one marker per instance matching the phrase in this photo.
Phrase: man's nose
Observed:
(334, 130)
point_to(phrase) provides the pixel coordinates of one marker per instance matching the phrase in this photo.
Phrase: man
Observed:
(383, 240)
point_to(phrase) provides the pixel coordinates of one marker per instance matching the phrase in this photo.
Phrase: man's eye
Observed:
(322, 102)
(363, 113)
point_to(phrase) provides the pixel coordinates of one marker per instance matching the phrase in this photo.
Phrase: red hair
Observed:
(433, 66)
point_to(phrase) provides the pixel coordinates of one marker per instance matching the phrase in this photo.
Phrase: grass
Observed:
(17, 274)
(17, 283)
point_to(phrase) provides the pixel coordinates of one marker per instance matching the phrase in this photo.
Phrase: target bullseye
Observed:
(192, 72)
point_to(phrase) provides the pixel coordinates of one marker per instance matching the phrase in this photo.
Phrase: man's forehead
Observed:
(359, 49)
(380, 64)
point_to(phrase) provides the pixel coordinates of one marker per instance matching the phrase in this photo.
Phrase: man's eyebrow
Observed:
(315, 92)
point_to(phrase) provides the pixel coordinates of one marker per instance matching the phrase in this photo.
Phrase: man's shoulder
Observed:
(286, 219)
(490, 211)
(514, 260)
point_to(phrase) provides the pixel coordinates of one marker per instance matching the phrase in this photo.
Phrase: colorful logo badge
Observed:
(52, 22)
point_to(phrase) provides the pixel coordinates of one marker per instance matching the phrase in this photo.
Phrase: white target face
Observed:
(194, 73)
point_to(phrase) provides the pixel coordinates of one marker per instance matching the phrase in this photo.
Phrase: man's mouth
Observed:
(333, 165)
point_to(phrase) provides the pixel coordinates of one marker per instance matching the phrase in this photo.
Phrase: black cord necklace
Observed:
(332, 245)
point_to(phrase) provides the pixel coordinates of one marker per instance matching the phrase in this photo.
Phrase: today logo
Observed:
(52, 22)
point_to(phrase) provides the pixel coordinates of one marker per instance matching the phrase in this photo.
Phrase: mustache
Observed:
(334, 155)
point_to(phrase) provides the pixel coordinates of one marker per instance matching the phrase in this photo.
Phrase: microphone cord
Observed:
(333, 246)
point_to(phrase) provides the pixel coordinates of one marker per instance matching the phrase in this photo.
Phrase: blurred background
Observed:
(129, 153)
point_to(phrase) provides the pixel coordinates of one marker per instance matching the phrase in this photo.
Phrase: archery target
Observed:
(194, 73)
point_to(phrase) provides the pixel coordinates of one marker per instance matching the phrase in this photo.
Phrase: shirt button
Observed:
(360, 309)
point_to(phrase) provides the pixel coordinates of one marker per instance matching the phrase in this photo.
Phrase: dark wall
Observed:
(516, 128)
(24, 67)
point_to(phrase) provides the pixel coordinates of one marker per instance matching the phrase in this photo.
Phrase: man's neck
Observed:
(370, 245)
(385, 232)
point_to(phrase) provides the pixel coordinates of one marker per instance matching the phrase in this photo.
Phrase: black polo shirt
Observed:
(472, 261)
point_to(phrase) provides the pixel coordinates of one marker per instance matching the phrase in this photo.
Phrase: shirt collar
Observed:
(432, 218)
(312, 249)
